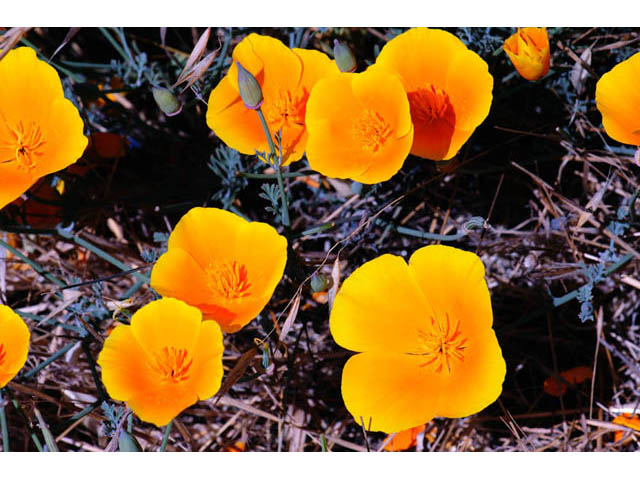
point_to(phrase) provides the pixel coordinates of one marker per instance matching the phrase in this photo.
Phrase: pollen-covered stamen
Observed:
(25, 144)
(173, 364)
(285, 110)
(229, 279)
(443, 345)
(3, 354)
(428, 104)
(371, 130)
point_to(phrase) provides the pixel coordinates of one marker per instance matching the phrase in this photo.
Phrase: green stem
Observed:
(115, 44)
(3, 425)
(49, 360)
(276, 165)
(27, 422)
(474, 222)
(165, 438)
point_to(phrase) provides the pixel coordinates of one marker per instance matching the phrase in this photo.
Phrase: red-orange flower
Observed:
(41, 132)
(165, 361)
(14, 344)
(573, 376)
(425, 335)
(448, 85)
(618, 99)
(528, 50)
(286, 77)
(359, 126)
(222, 264)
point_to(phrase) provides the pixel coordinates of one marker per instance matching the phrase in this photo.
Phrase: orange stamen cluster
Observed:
(442, 345)
(173, 364)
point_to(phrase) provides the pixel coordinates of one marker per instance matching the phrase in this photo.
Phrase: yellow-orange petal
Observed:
(164, 361)
(626, 420)
(222, 264)
(359, 126)
(618, 100)
(453, 282)
(380, 307)
(125, 367)
(389, 392)
(14, 344)
(448, 86)
(405, 439)
(528, 50)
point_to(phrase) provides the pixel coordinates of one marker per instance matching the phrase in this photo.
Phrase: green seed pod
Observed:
(167, 101)
(344, 57)
(250, 90)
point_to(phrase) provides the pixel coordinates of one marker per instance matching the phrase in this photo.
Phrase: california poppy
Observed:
(41, 131)
(286, 77)
(14, 344)
(222, 264)
(425, 335)
(573, 376)
(528, 50)
(618, 99)
(165, 361)
(448, 85)
(359, 126)
(405, 439)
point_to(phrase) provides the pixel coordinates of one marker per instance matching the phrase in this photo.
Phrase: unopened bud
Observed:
(250, 90)
(319, 283)
(344, 57)
(167, 101)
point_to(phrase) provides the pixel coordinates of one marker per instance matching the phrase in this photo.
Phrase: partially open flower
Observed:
(618, 99)
(528, 50)
(448, 85)
(285, 77)
(222, 264)
(165, 361)
(359, 126)
(426, 337)
(41, 132)
(14, 344)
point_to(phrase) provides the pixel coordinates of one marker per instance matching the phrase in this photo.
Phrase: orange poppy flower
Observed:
(626, 420)
(618, 99)
(528, 50)
(165, 361)
(448, 85)
(40, 130)
(359, 126)
(222, 264)
(425, 335)
(43, 208)
(573, 376)
(286, 78)
(14, 344)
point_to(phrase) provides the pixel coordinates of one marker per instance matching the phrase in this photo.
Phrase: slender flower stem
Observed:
(27, 422)
(3, 425)
(165, 438)
(266, 176)
(276, 165)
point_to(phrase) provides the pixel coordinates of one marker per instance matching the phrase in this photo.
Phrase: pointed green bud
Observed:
(167, 101)
(128, 443)
(250, 90)
(344, 57)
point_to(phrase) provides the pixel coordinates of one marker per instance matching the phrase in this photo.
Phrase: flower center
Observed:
(3, 354)
(443, 345)
(172, 364)
(371, 130)
(25, 143)
(428, 104)
(229, 279)
(285, 110)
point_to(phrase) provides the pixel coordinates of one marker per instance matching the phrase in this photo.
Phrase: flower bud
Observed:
(528, 50)
(344, 57)
(250, 90)
(167, 101)
(319, 283)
